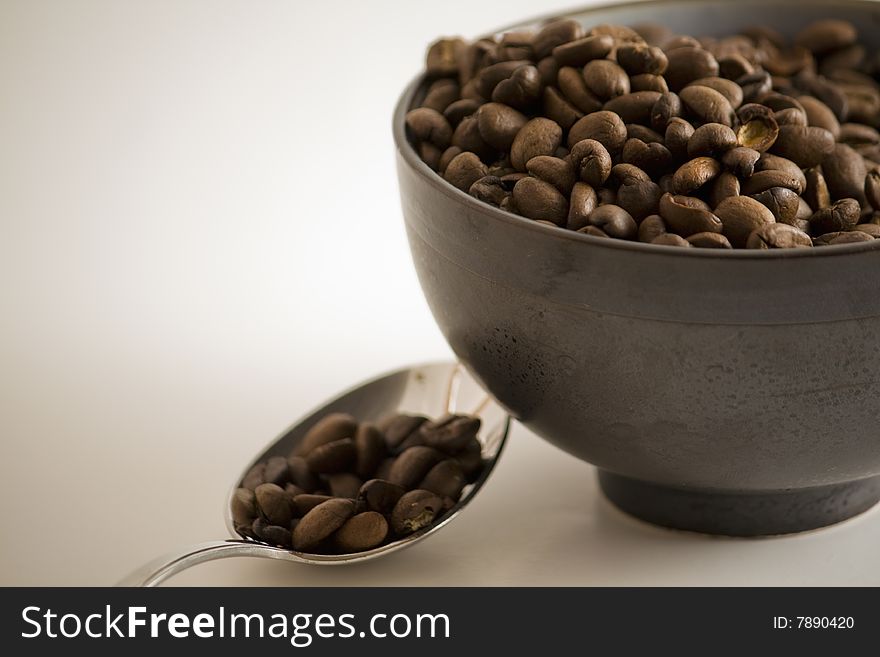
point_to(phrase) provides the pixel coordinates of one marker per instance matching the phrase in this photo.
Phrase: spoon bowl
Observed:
(432, 390)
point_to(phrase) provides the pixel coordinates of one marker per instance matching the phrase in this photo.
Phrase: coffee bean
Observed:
(709, 241)
(790, 116)
(415, 510)
(639, 198)
(821, 88)
(271, 534)
(464, 170)
(380, 495)
(689, 63)
(521, 90)
(254, 476)
(548, 67)
(591, 161)
(614, 221)
(489, 189)
(443, 57)
(539, 136)
(740, 216)
(244, 508)
(274, 504)
(820, 115)
(755, 85)
(651, 228)
(321, 522)
(844, 171)
(727, 88)
(686, 215)
(869, 229)
(299, 474)
(638, 58)
(555, 34)
(467, 137)
(734, 67)
(558, 109)
(429, 125)
(770, 162)
(574, 88)
(856, 134)
(605, 79)
(441, 94)
(553, 170)
(332, 457)
(302, 504)
(671, 239)
(678, 135)
(490, 77)
(583, 202)
(842, 237)
(648, 82)
(361, 532)
(603, 126)
(276, 471)
(450, 433)
(398, 427)
(692, 175)
(842, 215)
(758, 129)
(581, 51)
(826, 35)
(872, 189)
(741, 161)
(707, 105)
(806, 147)
(764, 180)
(499, 124)
(724, 186)
(413, 464)
(711, 139)
(446, 479)
(447, 157)
(330, 428)
(816, 192)
(666, 107)
(778, 236)
(537, 199)
(459, 110)
(633, 107)
(783, 203)
(644, 133)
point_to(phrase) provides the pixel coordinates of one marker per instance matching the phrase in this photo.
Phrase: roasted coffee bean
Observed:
(443, 58)
(244, 506)
(554, 34)
(688, 63)
(816, 192)
(790, 116)
(415, 510)
(430, 155)
(636, 131)
(648, 82)
(727, 88)
(740, 215)
(782, 203)
(459, 110)
(330, 428)
(521, 90)
(678, 135)
(344, 484)
(603, 126)
(299, 474)
(778, 236)
(397, 428)
(605, 79)
(638, 58)
(692, 175)
(671, 239)
(741, 161)
(764, 180)
(467, 137)
(842, 237)
(489, 77)
(583, 202)
(826, 35)
(302, 504)
(709, 241)
(633, 107)
(448, 155)
(820, 115)
(651, 228)
(574, 88)
(734, 66)
(724, 186)
(558, 109)
(254, 476)
(806, 147)
(593, 231)
(539, 136)
(361, 532)
(666, 107)
(581, 51)
(446, 479)
(755, 85)
(591, 161)
(686, 215)
(413, 464)
(639, 198)
(369, 449)
(274, 504)
(770, 162)
(489, 189)
(332, 457)
(537, 199)
(271, 534)
(321, 522)
(499, 124)
(869, 229)
(380, 495)
(856, 134)
(758, 129)
(711, 139)
(872, 189)
(845, 172)
(429, 125)
(627, 173)
(614, 221)
(441, 94)
(842, 215)
(553, 170)
(548, 67)
(707, 105)
(464, 170)
(276, 471)
(450, 433)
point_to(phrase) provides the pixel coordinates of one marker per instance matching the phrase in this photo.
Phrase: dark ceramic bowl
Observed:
(732, 392)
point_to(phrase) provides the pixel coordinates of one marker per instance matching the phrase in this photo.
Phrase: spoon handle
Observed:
(158, 570)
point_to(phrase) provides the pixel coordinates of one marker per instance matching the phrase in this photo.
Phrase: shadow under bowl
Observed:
(729, 392)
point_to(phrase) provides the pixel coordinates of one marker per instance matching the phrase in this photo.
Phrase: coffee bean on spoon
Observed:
(274, 504)
(300, 475)
(415, 510)
(332, 457)
(450, 433)
(332, 427)
(447, 478)
(380, 495)
(321, 522)
(363, 531)
(412, 465)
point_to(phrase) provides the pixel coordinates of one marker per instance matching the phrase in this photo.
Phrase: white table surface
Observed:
(200, 239)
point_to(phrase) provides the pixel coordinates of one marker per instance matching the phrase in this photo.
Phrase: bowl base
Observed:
(729, 513)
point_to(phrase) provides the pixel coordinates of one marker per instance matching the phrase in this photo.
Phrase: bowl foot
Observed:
(730, 513)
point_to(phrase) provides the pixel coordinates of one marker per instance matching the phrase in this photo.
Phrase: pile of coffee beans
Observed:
(349, 486)
(746, 141)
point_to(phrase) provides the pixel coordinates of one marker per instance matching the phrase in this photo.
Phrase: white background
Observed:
(200, 240)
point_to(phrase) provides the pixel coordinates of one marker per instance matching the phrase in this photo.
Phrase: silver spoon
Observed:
(431, 390)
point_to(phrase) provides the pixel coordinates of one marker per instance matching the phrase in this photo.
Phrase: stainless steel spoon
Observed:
(430, 390)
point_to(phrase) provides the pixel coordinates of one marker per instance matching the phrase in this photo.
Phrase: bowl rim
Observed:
(406, 151)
